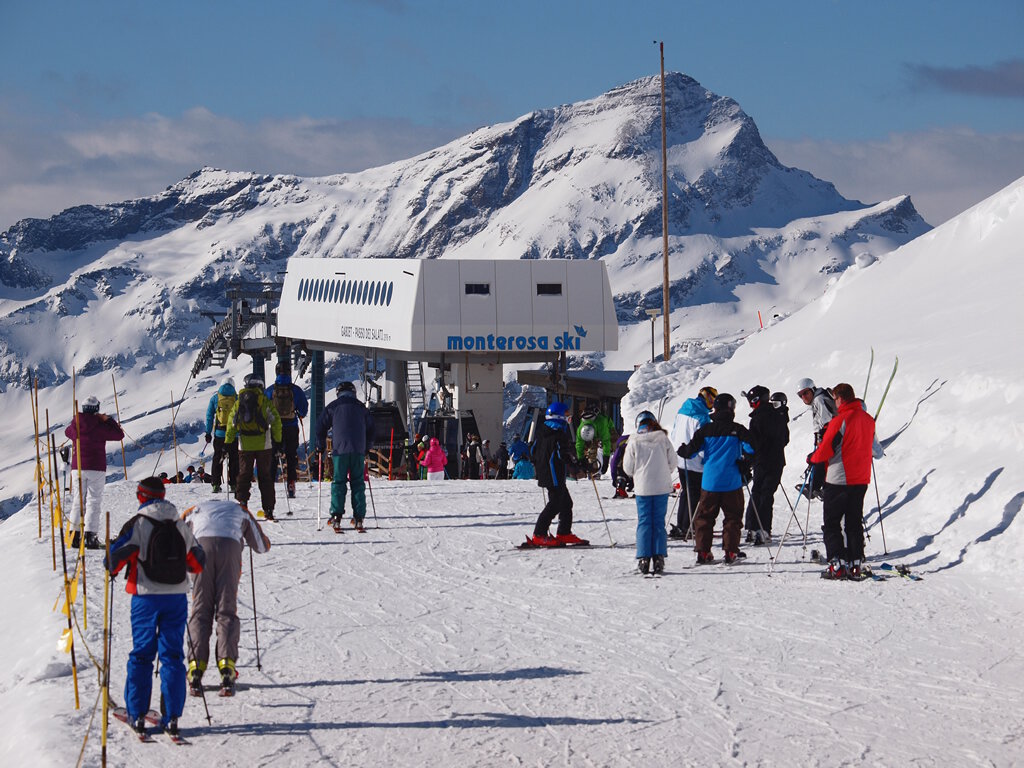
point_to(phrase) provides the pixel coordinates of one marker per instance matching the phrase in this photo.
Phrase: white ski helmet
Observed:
(91, 405)
(587, 432)
(804, 384)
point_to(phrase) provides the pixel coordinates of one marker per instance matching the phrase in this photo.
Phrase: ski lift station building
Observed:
(466, 318)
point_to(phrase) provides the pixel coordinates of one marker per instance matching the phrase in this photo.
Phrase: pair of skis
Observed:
(153, 719)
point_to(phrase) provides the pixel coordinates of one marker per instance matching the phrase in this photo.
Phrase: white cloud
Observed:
(945, 171)
(47, 170)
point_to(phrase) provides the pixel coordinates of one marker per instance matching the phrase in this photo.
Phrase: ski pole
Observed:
(799, 495)
(373, 506)
(282, 468)
(202, 691)
(771, 564)
(790, 505)
(760, 525)
(255, 617)
(689, 506)
(878, 500)
(601, 507)
(320, 489)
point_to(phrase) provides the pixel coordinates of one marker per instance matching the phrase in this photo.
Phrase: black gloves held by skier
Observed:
(277, 446)
(208, 437)
(746, 468)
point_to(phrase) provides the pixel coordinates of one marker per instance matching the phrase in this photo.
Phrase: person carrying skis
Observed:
(693, 414)
(725, 444)
(847, 448)
(351, 427)
(217, 413)
(435, 460)
(292, 405)
(89, 433)
(823, 408)
(770, 432)
(594, 436)
(160, 551)
(220, 527)
(651, 460)
(256, 424)
(552, 451)
(622, 482)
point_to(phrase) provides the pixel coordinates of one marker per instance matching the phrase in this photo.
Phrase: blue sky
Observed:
(110, 99)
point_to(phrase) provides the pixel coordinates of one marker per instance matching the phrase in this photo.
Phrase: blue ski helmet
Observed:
(644, 416)
(557, 411)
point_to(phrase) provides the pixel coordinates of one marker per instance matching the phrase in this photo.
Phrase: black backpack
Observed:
(249, 419)
(166, 554)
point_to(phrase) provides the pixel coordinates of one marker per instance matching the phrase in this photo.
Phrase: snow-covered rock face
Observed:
(112, 287)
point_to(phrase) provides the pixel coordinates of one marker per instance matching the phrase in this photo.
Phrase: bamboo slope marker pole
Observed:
(34, 399)
(67, 602)
(81, 500)
(124, 459)
(52, 462)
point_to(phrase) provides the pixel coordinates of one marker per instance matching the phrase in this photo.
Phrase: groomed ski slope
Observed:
(431, 640)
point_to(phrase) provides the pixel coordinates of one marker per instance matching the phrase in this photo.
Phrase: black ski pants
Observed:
(689, 487)
(762, 498)
(220, 450)
(559, 505)
(290, 445)
(844, 513)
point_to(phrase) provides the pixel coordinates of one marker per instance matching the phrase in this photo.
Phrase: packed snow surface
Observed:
(432, 640)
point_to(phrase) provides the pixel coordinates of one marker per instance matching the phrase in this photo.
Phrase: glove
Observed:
(208, 437)
(278, 447)
(809, 459)
(746, 469)
(681, 452)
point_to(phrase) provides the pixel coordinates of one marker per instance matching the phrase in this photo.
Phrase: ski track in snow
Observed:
(431, 640)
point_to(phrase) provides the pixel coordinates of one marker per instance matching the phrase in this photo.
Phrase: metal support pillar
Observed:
(316, 394)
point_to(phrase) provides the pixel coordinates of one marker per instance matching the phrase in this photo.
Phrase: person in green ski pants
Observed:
(351, 428)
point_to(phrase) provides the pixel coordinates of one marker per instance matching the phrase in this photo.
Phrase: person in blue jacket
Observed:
(217, 413)
(728, 449)
(292, 405)
(553, 450)
(351, 426)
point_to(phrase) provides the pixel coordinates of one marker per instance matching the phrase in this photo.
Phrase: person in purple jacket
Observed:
(89, 433)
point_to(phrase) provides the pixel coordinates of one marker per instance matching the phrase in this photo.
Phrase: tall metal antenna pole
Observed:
(665, 309)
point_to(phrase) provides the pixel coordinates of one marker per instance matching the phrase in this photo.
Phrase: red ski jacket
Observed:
(847, 446)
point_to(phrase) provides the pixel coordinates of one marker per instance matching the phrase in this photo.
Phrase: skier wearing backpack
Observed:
(693, 414)
(823, 408)
(256, 424)
(725, 444)
(220, 526)
(594, 436)
(217, 413)
(89, 433)
(160, 551)
(770, 431)
(351, 427)
(552, 452)
(292, 405)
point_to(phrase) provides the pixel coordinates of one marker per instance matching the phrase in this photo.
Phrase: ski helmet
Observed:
(587, 433)
(724, 402)
(644, 416)
(344, 386)
(778, 400)
(804, 384)
(755, 394)
(708, 395)
(91, 405)
(558, 411)
(254, 380)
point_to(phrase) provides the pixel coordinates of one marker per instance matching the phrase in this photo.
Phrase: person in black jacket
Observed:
(553, 449)
(769, 429)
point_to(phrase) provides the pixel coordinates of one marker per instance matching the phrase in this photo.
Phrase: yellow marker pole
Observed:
(81, 500)
(67, 601)
(117, 409)
(53, 473)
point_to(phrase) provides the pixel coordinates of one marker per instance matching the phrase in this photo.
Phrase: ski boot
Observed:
(291, 490)
(76, 540)
(215, 488)
(228, 674)
(570, 540)
(194, 675)
(731, 558)
(335, 523)
(749, 538)
(268, 514)
(139, 726)
(357, 523)
(705, 558)
(171, 729)
(836, 570)
(92, 541)
(542, 540)
(659, 564)
(675, 532)
(643, 564)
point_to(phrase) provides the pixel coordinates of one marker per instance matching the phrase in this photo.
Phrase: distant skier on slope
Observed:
(725, 444)
(219, 525)
(351, 427)
(89, 433)
(552, 451)
(651, 461)
(770, 431)
(693, 414)
(847, 448)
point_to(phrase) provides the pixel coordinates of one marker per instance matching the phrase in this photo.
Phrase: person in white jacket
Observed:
(651, 460)
(220, 526)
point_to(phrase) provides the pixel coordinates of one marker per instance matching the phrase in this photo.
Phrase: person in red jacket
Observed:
(89, 433)
(847, 447)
